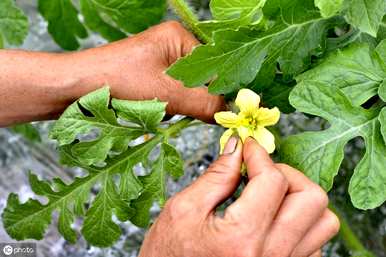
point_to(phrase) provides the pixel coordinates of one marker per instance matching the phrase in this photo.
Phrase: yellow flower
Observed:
(250, 121)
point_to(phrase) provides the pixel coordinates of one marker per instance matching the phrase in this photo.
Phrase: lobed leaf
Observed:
(120, 192)
(111, 19)
(357, 71)
(63, 22)
(329, 8)
(335, 91)
(232, 15)
(366, 14)
(13, 23)
(168, 161)
(236, 56)
(319, 154)
(112, 135)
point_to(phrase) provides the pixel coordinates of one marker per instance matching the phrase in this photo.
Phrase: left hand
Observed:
(135, 69)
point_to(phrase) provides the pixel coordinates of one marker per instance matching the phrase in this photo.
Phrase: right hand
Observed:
(280, 212)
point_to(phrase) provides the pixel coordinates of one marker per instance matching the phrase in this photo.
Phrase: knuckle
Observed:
(220, 173)
(278, 179)
(178, 207)
(318, 196)
(282, 166)
(173, 25)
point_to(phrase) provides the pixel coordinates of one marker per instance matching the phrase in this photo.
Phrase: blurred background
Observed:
(198, 146)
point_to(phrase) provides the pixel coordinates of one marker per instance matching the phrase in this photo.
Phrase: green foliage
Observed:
(232, 15)
(13, 24)
(329, 7)
(284, 42)
(335, 91)
(366, 14)
(63, 22)
(111, 19)
(335, 49)
(236, 56)
(108, 160)
(112, 136)
(28, 131)
(356, 70)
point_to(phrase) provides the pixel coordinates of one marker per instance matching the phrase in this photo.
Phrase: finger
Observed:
(262, 197)
(192, 102)
(219, 181)
(326, 227)
(301, 209)
(179, 41)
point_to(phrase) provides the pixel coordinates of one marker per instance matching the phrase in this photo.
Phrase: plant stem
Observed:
(183, 10)
(350, 240)
(177, 127)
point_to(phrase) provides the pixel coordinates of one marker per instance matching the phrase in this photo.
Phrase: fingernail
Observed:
(230, 146)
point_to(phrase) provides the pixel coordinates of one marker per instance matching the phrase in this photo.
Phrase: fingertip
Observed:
(256, 158)
(252, 147)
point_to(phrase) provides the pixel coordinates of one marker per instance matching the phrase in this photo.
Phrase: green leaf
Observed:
(112, 135)
(382, 120)
(13, 23)
(154, 184)
(366, 14)
(111, 19)
(147, 114)
(132, 16)
(232, 15)
(63, 22)
(276, 95)
(355, 70)
(233, 9)
(114, 179)
(329, 8)
(28, 131)
(98, 218)
(382, 91)
(235, 57)
(98, 228)
(95, 22)
(319, 154)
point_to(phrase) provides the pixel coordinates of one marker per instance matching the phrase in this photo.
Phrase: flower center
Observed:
(250, 121)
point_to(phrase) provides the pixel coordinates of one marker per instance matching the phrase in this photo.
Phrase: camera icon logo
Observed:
(8, 250)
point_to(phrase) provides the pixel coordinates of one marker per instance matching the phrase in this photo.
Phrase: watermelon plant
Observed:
(324, 58)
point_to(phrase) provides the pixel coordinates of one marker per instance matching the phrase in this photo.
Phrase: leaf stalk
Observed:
(186, 14)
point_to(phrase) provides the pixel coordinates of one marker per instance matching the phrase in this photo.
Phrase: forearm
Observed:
(38, 86)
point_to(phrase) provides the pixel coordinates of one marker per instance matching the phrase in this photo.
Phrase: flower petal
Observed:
(265, 139)
(224, 138)
(247, 101)
(268, 117)
(226, 119)
(244, 132)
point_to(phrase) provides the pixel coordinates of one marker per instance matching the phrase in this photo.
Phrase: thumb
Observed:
(221, 178)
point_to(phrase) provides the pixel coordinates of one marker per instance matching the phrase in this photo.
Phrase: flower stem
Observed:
(186, 14)
(347, 235)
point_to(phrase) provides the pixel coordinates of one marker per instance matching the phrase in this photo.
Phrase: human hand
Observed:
(135, 69)
(279, 213)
